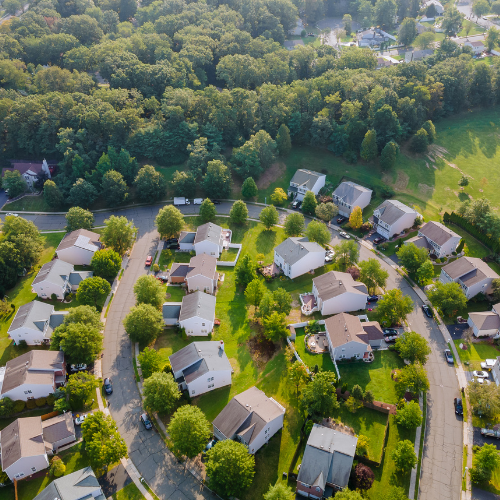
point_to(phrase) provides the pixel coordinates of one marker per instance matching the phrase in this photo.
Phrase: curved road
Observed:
(442, 456)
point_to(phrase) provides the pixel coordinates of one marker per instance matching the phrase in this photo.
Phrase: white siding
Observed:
(349, 350)
(23, 467)
(266, 434)
(186, 247)
(32, 337)
(208, 247)
(209, 382)
(197, 327)
(312, 260)
(45, 289)
(346, 302)
(319, 184)
(483, 286)
(27, 391)
(75, 255)
(200, 282)
(449, 247)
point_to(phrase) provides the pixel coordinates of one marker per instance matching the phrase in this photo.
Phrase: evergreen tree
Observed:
(309, 203)
(389, 155)
(283, 140)
(369, 148)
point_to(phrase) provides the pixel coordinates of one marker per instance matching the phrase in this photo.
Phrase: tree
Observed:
(148, 290)
(495, 8)
(282, 301)
(283, 140)
(115, 187)
(347, 494)
(413, 347)
(429, 127)
(52, 195)
(294, 224)
(326, 211)
(386, 123)
(280, 491)
(81, 343)
(189, 431)
(297, 374)
(254, 292)
(318, 232)
(230, 468)
(319, 398)
(420, 141)
(79, 218)
(150, 184)
(245, 271)
(87, 315)
(118, 234)
(249, 188)
(57, 467)
(14, 183)
(362, 445)
(278, 197)
(408, 31)
(480, 8)
(393, 307)
(217, 182)
(425, 273)
(364, 477)
(369, 149)
(239, 212)
(452, 21)
(356, 218)
(275, 326)
(424, 40)
(412, 257)
(385, 12)
(492, 38)
(495, 289)
(169, 221)
(412, 378)
(82, 193)
(106, 263)
(404, 456)
(347, 23)
(372, 274)
(463, 182)
(207, 210)
(485, 399)
(269, 217)
(161, 392)
(410, 415)
(346, 254)
(79, 388)
(389, 155)
(184, 184)
(93, 290)
(12, 6)
(150, 362)
(448, 297)
(143, 323)
(309, 203)
(484, 462)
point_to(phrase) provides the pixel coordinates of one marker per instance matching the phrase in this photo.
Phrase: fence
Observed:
(225, 263)
(299, 359)
(49, 415)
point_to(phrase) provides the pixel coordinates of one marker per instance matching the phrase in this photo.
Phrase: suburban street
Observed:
(442, 454)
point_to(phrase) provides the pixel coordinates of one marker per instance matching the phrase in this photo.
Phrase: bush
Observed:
(53, 297)
(19, 406)
(22, 344)
(50, 399)
(308, 427)
(41, 402)
(156, 268)
(167, 368)
(62, 405)
(344, 387)
(31, 404)
(386, 192)
(57, 467)
(369, 398)
(384, 246)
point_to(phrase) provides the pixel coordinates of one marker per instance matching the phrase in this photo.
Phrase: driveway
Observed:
(478, 494)
(480, 439)
(3, 198)
(114, 480)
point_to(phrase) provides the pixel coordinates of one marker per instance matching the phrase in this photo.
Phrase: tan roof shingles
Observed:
(343, 328)
(487, 320)
(336, 283)
(57, 428)
(437, 232)
(69, 239)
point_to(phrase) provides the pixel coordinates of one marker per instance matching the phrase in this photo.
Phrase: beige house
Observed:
(485, 323)
(78, 247)
(437, 238)
(200, 274)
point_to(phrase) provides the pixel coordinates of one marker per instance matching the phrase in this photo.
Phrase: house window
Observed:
(212, 378)
(33, 469)
(192, 392)
(208, 379)
(27, 392)
(203, 324)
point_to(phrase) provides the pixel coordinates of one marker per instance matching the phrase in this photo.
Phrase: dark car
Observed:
(372, 298)
(448, 356)
(145, 420)
(427, 311)
(172, 240)
(172, 246)
(378, 240)
(459, 409)
(341, 219)
(108, 388)
(390, 332)
(296, 204)
(215, 202)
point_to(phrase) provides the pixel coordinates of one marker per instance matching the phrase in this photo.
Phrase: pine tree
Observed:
(369, 148)
(283, 140)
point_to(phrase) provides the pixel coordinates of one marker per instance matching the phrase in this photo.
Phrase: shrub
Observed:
(19, 406)
(369, 397)
(386, 192)
(53, 297)
(344, 387)
(62, 405)
(50, 399)
(31, 404)
(156, 268)
(41, 402)
(57, 467)
(384, 246)
(22, 344)
(167, 368)
(357, 392)
(308, 427)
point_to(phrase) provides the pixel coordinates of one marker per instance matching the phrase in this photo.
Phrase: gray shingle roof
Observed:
(335, 283)
(294, 249)
(419, 242)
(171, 310)
(350, 192)
(32, 315)
(470, 270)
(437, 232)
(56, 271)
(306, 178)
(81, 238)
(57, 428)
(198, 304)
(392, 210)
(485, 320)
(76, 277)
(187, 237)
(79, 485)
(209, 231)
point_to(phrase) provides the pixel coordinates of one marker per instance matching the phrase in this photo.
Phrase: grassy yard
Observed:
(476, 353)
(475, 29)
(130, 492)
(229, 255)
(167, 257)
(391, 249)
(29, 204)
(176, 293)
(324, 361)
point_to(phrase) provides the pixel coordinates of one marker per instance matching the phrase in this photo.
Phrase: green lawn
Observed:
(167, 257)
(375, 376)
(29, 204)
(229, 255)
(476, 353)
(130, 492)
(324, 361)
(475, 30)
(176, 293)
(391, 249)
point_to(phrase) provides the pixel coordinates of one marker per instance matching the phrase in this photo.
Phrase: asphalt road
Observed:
(442, 455)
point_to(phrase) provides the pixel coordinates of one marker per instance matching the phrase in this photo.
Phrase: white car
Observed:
(483, 381)
(480, 374)
(12, 215)
(328, 258)
(488, 364)
(344, 235)
(81, 418)
(79, 367)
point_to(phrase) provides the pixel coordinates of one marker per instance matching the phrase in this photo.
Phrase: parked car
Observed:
(488, 364)
(390, 331)
(328, 258)
(427, 311)
(78, 367)
(378, 240)
(459, 409)
(172, 240)
(108, 388)
(345, 235)
(490, 433)
(81, 418)
(390, 339)
(145, 420)
(480, 374)
(210, 445)
(12, 214)
(341, 219)
(215, 202)
(448, 356)
(482, 381)
(149, 260)
(296, 204)
(372, 298)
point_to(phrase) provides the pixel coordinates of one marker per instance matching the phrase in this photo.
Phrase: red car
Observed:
(149, 260)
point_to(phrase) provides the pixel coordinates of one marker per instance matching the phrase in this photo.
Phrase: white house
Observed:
(477, 47)
(34, 323)
(438, 6)
(297, 256)
(373, 37)
(349, 195)
(417, 55)
(29, 171)
(79, 485)
(78, 247)
(201, 367)
(33, 375)
(471, 273)
(303, 181)
(208, 239)
(200, 274)
(337, 292)
(251, 418)
(437, 238)
(171, 312)
(197, 314)
(495, 371)
(349, 338)
(59, 278)
(486, 323)
(392, 217)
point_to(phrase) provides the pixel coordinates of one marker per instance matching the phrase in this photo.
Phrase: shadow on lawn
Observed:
(266, 241)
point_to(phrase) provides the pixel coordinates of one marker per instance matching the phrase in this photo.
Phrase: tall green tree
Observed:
(393, 308)
(184, 184)
(254, 292)
(14, 183)
(452, 21)
(420, 141)
(326, 211)
(413, 347)
(369, 149)
(408, 31)
(82, 193)
(309, 203)
(283, 140)
(79, 218)
(269, 216)
(148, 290)
(150, 361)
(412, 257)
(81, 343)
(118, 234)
(280, 491)
(346, 254)
(347, 23)
(115, 188)
(385, 13)
(249, 188)
(150, 184)
(207, 210)
(52, 194)
(79, 388)
(106, 263)
(318, 232)
(297, 374)
(93, 290)
(404, 456)
(239, 212)
(245, 271)
(372, 274)
(161, 392)
(389, 155)
(319, 397)
(449, 298)
(412, 378)
(169, 221)
(294, 224)
(217, 182)
(275, 326)
(409, 415)
(143, 323)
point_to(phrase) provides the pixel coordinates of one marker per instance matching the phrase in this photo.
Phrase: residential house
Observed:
(200, 274)
(33, 375)
(349, 338)
(251, 418)
(59, 278)
(297, 256)
(349, 195)
(209, 239)
(374, 37)
(417, 55)
(201, 367)
(436, 238)
(438, 6)
(34, 323)
(383, 63)
(29, 171)
(495, 371)
(197, 314)
(392, 217)
(171, 312)
(477, 47)
(337, 292)
(326, 463)
(485, 323)
(471, 273)
(27, 442)
(305, 180)
(78, 247)
(79, 485)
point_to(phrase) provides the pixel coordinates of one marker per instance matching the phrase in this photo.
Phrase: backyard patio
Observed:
(317, 343)
(270, 271)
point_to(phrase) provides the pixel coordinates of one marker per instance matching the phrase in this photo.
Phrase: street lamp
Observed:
(465, 472)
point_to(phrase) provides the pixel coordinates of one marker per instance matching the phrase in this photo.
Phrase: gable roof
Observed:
(350, 191)
(81, 238)
(470, 270)
(437, 232)
(335, 283)
(247, 414)
(81, 484)
(392, 210)
(32, 315)
(306, 178)
(203, 264)
(57, 428)
(198, 304)
(293, 249)
(209, 232)
(475, 44)
(419, 242)
(171, 310)
(56, 271)
(343, 328)
(24, 166)
(487, 320)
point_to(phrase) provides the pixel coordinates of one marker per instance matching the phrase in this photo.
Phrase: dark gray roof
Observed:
(470, 270)
(392, 210)
(419, 242)
(198, 304)
(350, 192)
(32, 315)
(306, 178)
(328, 457)
(76, 277)
(294, 249)
(81, 238)
(57, 428)
(55, 271)
(179, 269)
(171, 310)
(335, 283)
(187, 237)
(437, 232)
(209, 231)
(56, 319)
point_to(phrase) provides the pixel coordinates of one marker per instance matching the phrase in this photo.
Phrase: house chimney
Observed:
(345, 327)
